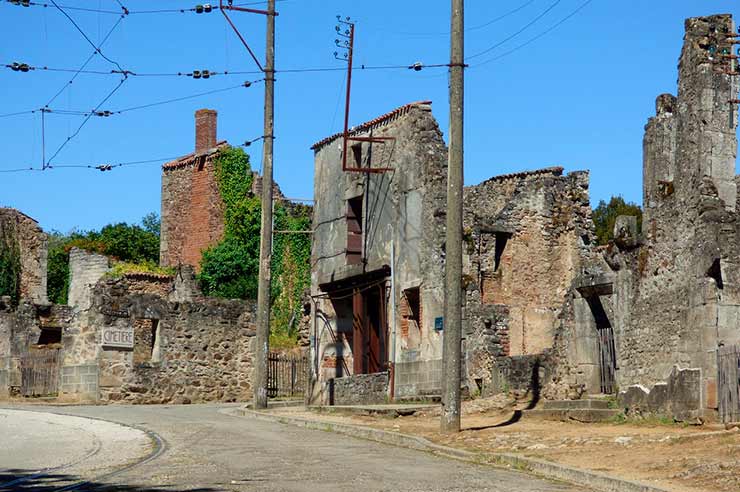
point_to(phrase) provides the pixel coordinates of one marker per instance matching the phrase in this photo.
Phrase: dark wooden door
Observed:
(359, 331)
(369, 330)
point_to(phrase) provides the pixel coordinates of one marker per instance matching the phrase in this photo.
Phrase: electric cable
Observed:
(535, 38)
(84, 122)
(89, 59)
(97, 49)
(517, 33)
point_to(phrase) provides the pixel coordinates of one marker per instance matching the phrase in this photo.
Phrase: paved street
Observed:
(202, 447)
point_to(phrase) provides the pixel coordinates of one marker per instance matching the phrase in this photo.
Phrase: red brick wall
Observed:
(192, 213)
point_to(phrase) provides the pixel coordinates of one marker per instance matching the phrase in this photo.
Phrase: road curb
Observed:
(594, 480)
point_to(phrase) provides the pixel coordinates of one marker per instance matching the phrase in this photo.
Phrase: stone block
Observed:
(625, 231)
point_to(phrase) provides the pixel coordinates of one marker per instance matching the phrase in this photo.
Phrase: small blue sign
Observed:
(439, 323)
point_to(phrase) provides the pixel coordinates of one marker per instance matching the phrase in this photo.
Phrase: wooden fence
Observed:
(286, 375)
(40, 372)
(728, 364)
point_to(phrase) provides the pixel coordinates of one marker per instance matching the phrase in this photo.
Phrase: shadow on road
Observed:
(20, 480)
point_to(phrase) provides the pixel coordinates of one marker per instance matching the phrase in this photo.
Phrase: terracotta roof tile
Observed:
(189, 160)
(374, 123)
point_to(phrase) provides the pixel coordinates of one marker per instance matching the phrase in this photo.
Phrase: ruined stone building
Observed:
(528, 235)
(673, 292)
(378, 265)
(134, 338)
(192, 208)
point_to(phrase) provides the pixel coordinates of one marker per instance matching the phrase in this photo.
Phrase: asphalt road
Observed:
(202, 447)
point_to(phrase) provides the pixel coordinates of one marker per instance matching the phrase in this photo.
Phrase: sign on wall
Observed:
(118, 337)
(439, 323)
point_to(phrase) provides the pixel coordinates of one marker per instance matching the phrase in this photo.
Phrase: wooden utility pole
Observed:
(263, 290)
(451, 352)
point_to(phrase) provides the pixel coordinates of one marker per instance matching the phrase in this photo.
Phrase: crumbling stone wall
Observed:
(677, 288)
(23, 232)
(23, 329)
(198, 351)
(404, 207)
(528, 236)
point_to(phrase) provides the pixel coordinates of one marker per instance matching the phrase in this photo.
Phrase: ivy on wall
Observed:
(10, 267)
(231, 268)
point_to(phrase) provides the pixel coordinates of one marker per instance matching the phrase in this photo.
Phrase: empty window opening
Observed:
(146, 341)
(411, 318)
(156, 339)
(357, 154)
(715, 272)
(354, 231)
(502, 239)
(50, 336)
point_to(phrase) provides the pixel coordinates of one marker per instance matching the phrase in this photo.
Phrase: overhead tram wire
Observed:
(199, 74)
(47, 164)
(517, 33)
(86, 63)
(127, 11)
(472, 28)
(97, 166)
(535, 38)
(87, 38)
(97, 112)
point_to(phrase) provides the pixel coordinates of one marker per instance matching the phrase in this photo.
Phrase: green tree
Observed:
(10, 268)
(129, 243)
(605, 215)
(231, 268)
(152, 223)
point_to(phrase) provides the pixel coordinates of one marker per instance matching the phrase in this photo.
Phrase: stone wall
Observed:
(528, 237)
(361, 389)
(671, 292)
(85, 269)
(23, 232)
(183, 351)
(418, 379)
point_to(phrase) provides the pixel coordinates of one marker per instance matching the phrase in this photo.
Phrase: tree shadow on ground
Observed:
(535, 390)
(27, 480)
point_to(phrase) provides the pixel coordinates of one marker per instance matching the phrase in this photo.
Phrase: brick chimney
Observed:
(205, 130)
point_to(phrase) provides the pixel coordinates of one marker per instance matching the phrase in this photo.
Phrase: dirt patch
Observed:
(676, 457)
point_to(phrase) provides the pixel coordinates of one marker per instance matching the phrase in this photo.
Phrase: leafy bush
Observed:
(132, 244)
(230, 270)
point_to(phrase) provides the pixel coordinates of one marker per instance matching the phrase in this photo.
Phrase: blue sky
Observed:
(577, 97)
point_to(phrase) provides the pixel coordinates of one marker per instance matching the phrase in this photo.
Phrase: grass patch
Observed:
(122, 268)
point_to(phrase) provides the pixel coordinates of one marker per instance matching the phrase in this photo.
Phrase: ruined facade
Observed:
(377, 257)
(528, 236)
(21, 236)
(676, 288)
(192, 208)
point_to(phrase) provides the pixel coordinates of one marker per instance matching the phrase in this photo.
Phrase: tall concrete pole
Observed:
(451, 352)
(263, 290)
